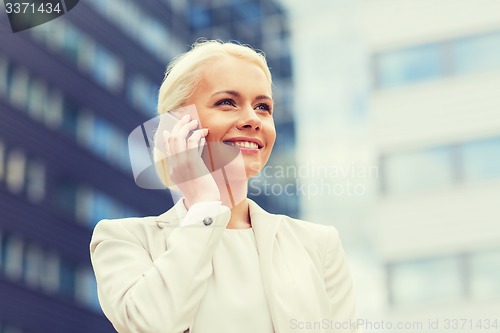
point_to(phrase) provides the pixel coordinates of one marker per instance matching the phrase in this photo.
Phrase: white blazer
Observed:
(151, 273)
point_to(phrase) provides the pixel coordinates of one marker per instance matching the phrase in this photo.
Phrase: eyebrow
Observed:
(237, 94)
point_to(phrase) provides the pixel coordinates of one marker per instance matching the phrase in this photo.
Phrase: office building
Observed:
(71, 91)
(436, 122)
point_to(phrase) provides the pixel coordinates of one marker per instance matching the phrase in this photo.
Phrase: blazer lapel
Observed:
(265, 227)
(171, 217)
(292, 289)
(281, 258)
(274, 278)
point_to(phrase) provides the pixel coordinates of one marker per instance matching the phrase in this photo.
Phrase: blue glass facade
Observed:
(471, 275)
(441, 167)
(71, 91)
(420, 63)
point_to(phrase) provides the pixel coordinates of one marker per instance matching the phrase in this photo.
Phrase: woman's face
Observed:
(234, 101)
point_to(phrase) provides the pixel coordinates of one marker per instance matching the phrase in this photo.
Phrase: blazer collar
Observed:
(264, 224)
(278, 283)
(173, 216)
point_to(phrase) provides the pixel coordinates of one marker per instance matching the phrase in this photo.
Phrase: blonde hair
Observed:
(184, 72)
(183, 75)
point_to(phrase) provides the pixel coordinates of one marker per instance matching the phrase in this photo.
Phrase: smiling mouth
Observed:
(243, 144)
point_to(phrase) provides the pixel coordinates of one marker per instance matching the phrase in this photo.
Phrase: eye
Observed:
(226, 101)
(265, 107)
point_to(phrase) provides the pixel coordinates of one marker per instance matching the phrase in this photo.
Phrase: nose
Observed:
(248, 119)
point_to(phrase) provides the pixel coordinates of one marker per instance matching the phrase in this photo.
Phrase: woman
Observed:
(216, 261)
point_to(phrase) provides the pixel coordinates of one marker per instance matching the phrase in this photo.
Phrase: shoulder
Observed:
(125, 224)
(313, 235)
(131, 229)
(307, 227)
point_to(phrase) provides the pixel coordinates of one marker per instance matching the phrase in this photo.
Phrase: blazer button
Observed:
(207, 221)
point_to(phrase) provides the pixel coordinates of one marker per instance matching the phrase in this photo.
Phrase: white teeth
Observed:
(244, 144)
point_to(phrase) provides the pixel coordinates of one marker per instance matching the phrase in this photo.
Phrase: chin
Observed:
(253, 170)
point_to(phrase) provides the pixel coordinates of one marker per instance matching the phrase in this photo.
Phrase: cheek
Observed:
(214, 133)
(272, 137)
(212, 129)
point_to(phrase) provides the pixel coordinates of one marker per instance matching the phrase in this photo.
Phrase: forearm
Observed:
(139, 294)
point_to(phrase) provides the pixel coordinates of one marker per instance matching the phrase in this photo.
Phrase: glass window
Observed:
(94, 206)
(38, 99)
(16, 162)
(86, 289)
(425, 281)
(70, 119)
(100, 138)
(13, 257)
(83, 209)
(150, 33)
(33, 261)
(179, 5)
(199, 17)
(86, 54)
(36, 181)
(85, 123)
(485, 274)
(3, 244)
(477, 53)
(104, 139)
(117, 152)
(54, 39)
(419, 170)
(2, 160)
(157, 40)
(54, 112)
(67, 278)
(19, 87)
(143, 94)
(50, 272)
(102, 65)
(102, 207)
(409, 65)
(285, 67)
(71, 42)
(4, 76)
(481, 159)
(250, 11)
(107, 69)
(66, 196)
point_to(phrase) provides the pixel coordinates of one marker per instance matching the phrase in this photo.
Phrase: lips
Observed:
(245, 143)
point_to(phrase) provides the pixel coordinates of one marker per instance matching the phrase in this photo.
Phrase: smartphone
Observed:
(169, 119)
(147, 137)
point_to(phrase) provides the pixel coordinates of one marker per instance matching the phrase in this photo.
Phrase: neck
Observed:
(240, 216)
(234, 196)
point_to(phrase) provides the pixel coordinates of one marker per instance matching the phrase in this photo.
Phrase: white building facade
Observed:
(435, 120)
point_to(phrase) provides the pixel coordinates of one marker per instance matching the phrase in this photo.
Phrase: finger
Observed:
(166, 135)
(178, 140)
(203, 141)
(194, 140)
(184, 130)
(184, 120)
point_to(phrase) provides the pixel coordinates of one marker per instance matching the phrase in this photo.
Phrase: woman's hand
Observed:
(185, 165)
